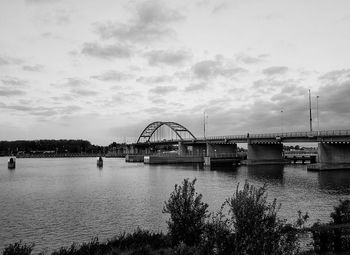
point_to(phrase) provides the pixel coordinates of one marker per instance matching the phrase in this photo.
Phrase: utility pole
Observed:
(318, 118)
(310, 111)
(204, 125)
(282, 120)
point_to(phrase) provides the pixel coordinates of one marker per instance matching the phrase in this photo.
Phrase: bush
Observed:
(187, 214)
(257, 228)
(341, 214)
(18, 249)
(330, 237)
(140, 239)
(92, 247)
(218, 237)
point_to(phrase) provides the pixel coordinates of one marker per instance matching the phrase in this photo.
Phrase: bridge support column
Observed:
(220, 154)
(182, 149)
(332, 156)
(218, 150)
(131, 149)
(265, 154)
(198, 149)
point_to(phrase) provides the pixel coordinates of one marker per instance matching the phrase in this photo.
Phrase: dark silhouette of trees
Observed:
(54, 146)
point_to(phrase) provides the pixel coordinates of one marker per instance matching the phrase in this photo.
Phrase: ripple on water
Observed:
(55, 202)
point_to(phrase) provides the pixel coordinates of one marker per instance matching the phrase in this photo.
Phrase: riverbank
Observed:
(61, 155)
(140, 242)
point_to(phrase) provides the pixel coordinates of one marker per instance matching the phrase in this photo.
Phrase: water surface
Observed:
(54, 202)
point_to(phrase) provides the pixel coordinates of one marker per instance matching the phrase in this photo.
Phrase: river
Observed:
(54, 202)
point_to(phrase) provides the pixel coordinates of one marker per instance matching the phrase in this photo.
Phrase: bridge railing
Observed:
(304, 134)
(223, 155)
(283, 135)
(306, 152)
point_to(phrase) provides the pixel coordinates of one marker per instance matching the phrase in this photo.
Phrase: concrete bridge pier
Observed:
(216, 150)
(197, 149)
(130, 149)
(220, 154)
(332, 156)
(265, 153)
(182, 149)
(136, 153)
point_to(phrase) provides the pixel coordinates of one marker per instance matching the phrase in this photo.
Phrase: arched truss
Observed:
(151, 128)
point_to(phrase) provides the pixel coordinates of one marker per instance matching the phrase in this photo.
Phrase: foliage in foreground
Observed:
(18, 249)
(187, 214)
(250, 226)
(333, 237)
(256, 226)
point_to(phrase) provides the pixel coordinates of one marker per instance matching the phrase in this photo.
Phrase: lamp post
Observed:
(282, 120)
(318, 118)
(205, 121)
(204, 124)
(310, 110)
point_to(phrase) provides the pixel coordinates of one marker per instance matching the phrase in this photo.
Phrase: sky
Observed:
(103, 70)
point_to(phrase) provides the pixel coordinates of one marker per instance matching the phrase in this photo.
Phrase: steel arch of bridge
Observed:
(151, 128)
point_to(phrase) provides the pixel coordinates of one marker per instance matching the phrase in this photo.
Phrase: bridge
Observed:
(333, 145)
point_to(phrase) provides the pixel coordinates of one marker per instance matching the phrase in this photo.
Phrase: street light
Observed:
(205, 121)
(318, 118)
(282, 120)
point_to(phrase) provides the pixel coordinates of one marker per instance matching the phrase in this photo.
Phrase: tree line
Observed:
(52, 146)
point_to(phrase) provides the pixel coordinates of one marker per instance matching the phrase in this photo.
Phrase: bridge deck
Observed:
(313, 136)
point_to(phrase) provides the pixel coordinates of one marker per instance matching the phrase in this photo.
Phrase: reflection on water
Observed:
(223, 168)
(55, 202)
(335, 181)
(266, 172)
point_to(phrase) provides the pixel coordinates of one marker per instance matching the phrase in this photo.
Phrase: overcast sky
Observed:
(103, 70)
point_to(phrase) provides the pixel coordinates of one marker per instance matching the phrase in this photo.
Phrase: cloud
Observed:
(40, 110)
(75, 86)
(158, 100)
(49, 35)
(74, 82)
(163, 90)
(174, 58)
(51, 16)
(5, 60)
(335, 75)
(150, 23)
(34, 68)
(247, 59)
(213, 68)
(335, 98)
(111, 51)
(271, 83)
(220, 7)
(64, 97)
(155, 110)
(42, 1)
(83, 92)
(155, 79)
(196, 87)
(122, 98)
(5, 92)
(112, 75)
(275, 70)
(12, 81)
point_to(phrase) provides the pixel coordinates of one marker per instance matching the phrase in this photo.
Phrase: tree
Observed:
(341, 214)
(187, 214)
(257, 228)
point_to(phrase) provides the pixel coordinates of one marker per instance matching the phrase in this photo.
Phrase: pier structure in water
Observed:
(333, 150)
